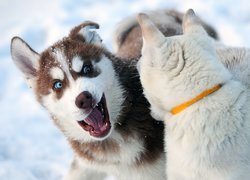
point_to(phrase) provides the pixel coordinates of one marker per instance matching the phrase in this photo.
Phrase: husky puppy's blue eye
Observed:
(57, 85)
(87, 69)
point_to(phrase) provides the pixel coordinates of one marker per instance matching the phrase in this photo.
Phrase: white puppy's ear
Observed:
(85, 32)
(192, 24)
(150, 33)
(25, 58)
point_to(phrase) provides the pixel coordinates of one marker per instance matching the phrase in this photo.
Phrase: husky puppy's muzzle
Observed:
(97, 122)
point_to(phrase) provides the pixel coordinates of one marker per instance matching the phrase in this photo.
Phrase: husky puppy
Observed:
(96, 100)
(206, 112)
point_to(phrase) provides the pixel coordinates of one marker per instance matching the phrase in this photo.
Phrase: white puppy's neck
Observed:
(203, 110)
(179, 108)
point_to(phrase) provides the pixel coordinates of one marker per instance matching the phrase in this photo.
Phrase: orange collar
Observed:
(185, 105)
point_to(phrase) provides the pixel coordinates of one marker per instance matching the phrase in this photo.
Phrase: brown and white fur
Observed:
(96, 100)
(209, 140)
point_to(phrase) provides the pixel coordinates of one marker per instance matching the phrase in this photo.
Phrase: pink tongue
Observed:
(95, 119)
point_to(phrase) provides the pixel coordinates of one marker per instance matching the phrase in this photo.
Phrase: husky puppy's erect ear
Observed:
(25, 58)
(85, 33)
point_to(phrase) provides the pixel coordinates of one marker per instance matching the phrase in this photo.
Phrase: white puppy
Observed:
(206, 112)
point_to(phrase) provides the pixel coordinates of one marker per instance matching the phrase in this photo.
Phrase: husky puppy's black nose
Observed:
(84, 100)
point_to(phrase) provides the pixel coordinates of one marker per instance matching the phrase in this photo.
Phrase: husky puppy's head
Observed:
(73, 80)
(175, 69)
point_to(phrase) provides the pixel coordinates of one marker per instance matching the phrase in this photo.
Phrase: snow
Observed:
(31, 147)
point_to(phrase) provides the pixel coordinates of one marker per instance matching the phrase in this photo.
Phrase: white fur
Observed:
(81, 171)
(77, 64)
(57, 73)
(63, 63)
(209, 140)
(237, 61)
(124, 168)
(90, 35)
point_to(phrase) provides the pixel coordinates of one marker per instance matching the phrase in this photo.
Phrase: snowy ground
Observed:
(31, 147)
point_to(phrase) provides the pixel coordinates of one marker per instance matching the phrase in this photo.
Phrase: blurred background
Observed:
(31, 147)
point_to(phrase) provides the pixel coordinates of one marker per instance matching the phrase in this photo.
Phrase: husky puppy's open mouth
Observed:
(97, 123)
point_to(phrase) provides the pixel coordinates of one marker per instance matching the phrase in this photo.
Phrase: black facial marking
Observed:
(87, 70)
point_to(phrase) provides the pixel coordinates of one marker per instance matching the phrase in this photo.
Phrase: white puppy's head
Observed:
(175, 69)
